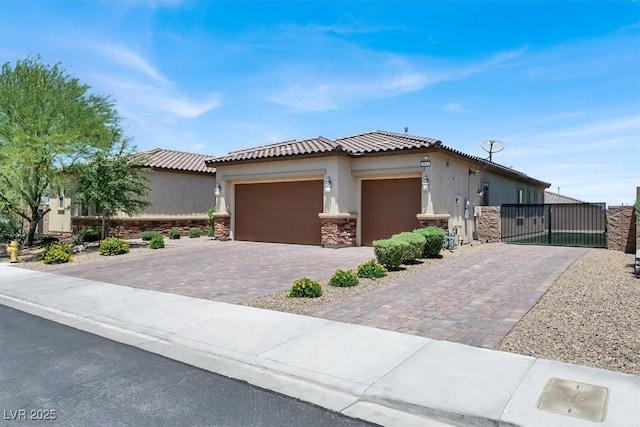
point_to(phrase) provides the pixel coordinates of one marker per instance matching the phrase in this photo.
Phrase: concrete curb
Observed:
(330, 398)
(376, 375)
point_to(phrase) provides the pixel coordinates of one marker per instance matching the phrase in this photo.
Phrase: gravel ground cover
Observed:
(590, 316)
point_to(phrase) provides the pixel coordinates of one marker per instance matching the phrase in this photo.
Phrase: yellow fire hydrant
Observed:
(12, 250)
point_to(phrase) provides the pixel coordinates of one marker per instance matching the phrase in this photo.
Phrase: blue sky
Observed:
(558, 82)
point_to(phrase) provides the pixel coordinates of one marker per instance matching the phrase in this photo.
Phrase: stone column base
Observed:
(436, 220)
(338, 230)
(222, 226)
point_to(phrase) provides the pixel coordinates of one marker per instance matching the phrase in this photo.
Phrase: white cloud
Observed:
(132, 60)
(369, 75)
(455, 107)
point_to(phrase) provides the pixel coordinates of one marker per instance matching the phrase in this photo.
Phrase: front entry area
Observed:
(389, 206)
(279, 212)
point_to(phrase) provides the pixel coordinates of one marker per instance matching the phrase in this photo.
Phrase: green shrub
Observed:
(113, 246)
(57, 253)
(343, 279)
(435, 237)
(174, 234)
(211, 221)
(390, 252)
(78, 239)
(194, 233)
(10, 227)
(305, 288)
(157, 242)
(371, 270)
(416, 245)
(148, 235)
(91, 234)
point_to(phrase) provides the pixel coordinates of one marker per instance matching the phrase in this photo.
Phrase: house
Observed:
(353, 190)
(182, 189)
(556, 198)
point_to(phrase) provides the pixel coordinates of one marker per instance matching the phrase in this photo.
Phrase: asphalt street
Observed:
(51, 374)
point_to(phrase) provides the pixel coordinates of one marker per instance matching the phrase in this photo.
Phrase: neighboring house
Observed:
(555, 198)
(182, 189)
(353, 190)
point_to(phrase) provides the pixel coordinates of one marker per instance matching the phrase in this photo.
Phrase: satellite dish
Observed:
(492, 146)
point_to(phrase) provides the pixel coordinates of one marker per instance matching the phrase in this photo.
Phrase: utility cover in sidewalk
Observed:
(579, 400)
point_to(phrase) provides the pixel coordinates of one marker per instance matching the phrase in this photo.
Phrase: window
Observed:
(485, 194)
(528, 196)
(535, 197)
(519, 196)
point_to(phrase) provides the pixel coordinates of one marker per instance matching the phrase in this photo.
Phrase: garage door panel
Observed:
(279, 212)
(389, 206)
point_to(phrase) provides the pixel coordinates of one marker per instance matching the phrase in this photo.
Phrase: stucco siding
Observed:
(179, 194)
(60, 215)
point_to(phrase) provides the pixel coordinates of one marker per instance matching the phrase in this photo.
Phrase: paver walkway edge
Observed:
(381, 376)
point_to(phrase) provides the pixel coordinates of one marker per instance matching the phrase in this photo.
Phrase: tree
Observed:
(112, 181)
(49, 122)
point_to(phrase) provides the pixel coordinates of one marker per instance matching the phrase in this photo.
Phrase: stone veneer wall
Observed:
(488, 229)
(621, 228)
(133, 228)
(338, 232)
(222, 227)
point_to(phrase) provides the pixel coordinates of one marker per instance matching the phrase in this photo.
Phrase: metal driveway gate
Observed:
(564, 224)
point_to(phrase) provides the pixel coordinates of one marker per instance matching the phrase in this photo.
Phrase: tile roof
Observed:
(379, 141)
(160, 158)
(555, 198)
(371, 142)
(358, 145)
(280, 149)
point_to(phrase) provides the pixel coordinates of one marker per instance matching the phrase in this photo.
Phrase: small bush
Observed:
(416, 245)
(390, 252)
(148, 235)
(157, 242)
(113, 246)
(305, 288)
(174, 234)
(91, 234)
(194, 233)
(434, 243)
(343, 279)
(371, 270)
(57, 253)
(78, 240)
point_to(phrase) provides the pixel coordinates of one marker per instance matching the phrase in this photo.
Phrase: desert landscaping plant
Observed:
(434, 243)
(210, 221)
(174, 234)
(390, 252)
(91, 234)
(343, 279)
(194, 233)
(416, 246)
(113, 246)
(148, 235)
(371, 270)
(157, 242)
(57, 253)
(305, 288)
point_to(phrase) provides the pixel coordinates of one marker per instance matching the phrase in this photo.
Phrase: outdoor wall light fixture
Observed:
(425, 183)
(217, 190)
(327, 185)
(425, 163)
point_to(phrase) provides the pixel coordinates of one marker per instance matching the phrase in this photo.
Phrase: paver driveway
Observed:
(223, 271)
(475, 299)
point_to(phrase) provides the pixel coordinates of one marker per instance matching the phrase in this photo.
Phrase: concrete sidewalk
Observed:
(380, 376)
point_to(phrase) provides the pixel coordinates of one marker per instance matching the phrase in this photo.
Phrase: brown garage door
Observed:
(279, 212)
(389, 206)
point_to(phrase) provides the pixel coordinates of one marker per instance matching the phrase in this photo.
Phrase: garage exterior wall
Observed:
(451, 186)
